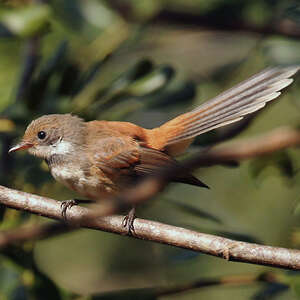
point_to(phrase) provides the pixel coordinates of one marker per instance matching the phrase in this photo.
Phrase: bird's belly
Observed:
(77, 180)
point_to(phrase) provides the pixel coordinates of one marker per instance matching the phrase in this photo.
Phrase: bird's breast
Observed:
(82, 181)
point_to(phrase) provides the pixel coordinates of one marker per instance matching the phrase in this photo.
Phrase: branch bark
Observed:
(275, 140)
(32, 233)
(153, 231)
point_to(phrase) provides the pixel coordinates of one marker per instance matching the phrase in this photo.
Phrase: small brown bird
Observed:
(98, 158)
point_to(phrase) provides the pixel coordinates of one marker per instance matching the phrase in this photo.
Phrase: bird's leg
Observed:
(67, 204)
(128, 221)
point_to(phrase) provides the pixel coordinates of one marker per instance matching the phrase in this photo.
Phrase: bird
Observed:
(99, 158)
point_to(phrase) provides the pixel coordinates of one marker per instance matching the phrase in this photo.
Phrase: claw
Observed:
(65, 205)
(128, 222)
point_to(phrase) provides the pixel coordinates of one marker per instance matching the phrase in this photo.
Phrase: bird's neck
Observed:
(56, 159)
(67, 167)
(64, 153)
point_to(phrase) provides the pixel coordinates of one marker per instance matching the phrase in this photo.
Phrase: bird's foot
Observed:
(67, 204)
(128, 222)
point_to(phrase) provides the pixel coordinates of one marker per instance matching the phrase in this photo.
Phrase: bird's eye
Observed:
(41, 135)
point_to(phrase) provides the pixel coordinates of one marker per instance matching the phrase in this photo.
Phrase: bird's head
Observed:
(52, 134)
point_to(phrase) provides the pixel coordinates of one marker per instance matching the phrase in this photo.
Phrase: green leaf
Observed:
(138, 71)
(28, 21)
(88, 17)
(175, 92)
(68, 12)
(152, 82)
(113, 93)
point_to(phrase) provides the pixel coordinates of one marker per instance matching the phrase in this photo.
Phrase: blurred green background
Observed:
(146, 62)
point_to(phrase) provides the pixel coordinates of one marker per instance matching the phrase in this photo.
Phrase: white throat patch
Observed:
(62, 147)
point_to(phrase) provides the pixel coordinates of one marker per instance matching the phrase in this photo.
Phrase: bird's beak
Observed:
(20, 146)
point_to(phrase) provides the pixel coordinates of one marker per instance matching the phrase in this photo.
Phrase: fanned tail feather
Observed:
(226, 108)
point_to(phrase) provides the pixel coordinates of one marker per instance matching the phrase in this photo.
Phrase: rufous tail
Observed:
(231, 106)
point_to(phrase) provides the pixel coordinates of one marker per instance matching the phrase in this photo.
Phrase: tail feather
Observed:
(228, 107)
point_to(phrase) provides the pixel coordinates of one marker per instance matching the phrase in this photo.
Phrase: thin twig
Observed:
(32, 233)
(278, 139)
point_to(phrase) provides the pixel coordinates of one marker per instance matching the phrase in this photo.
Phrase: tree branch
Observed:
(158, 232)
(275, 140)
(32, 233)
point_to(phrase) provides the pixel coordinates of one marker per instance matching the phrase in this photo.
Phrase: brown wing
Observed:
(120, 152)
(152, 160)
(111, 148)
(115, 155)
(125, 160)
